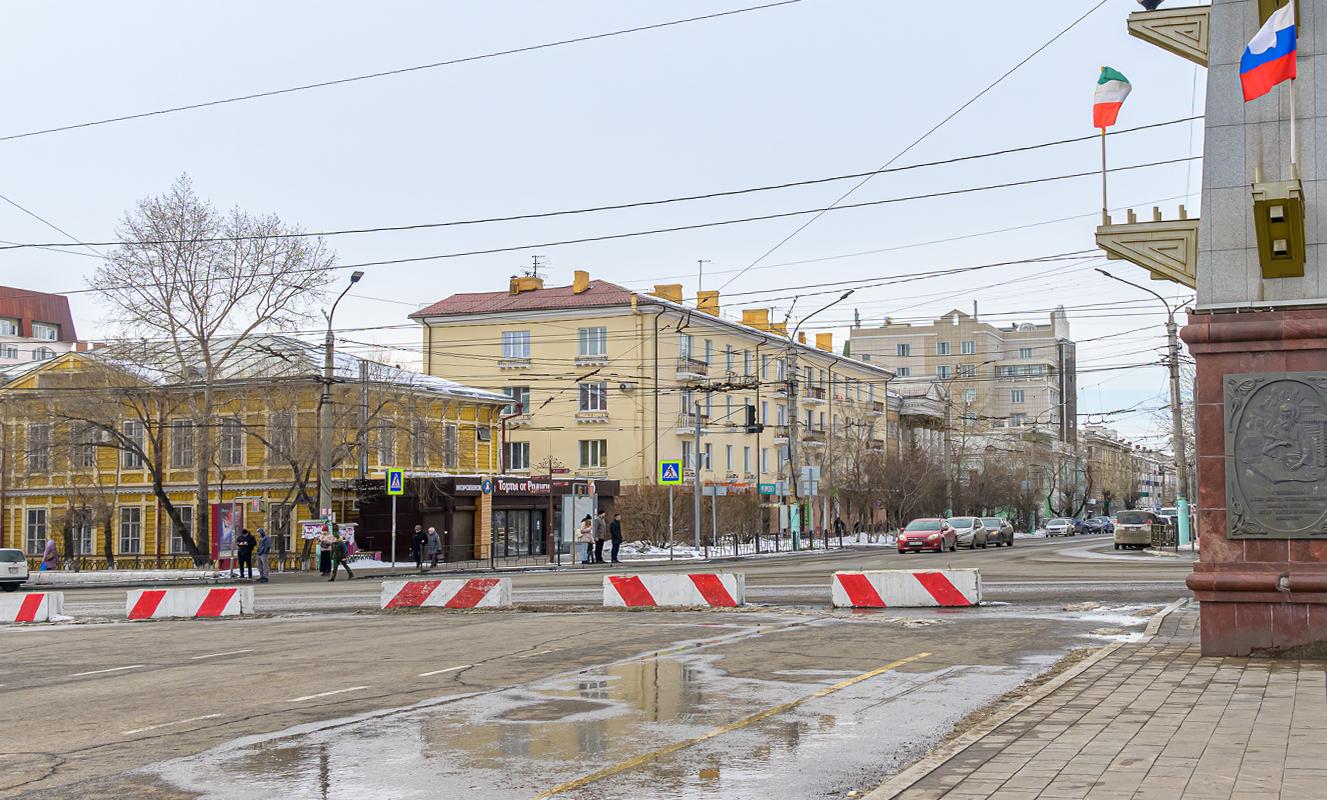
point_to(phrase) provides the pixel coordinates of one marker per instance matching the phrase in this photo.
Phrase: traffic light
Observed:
(752, 424)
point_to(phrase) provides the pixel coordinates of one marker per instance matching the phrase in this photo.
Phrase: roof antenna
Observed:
(536, 263)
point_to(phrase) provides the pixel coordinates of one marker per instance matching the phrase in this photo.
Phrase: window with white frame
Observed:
(8, 351)
(967, 370)
(1016, 420)
(1017, 396)
(81, 531)
(43, 354)
(419, 444)
(943, 348)
(1025, 352)
(131, 529)
(728, 357)
(746, 363)
(181, 443)
(728, 457)
(968, 348)
(969, 396)
(685, 345)
(515, 344)
(764, 367)
(944, 372)
(594, 453)
(35, 532)
(45, 331)
(709, 456)
(593, 342)
(387, 444)
(451, 446)
(230, 443)
(686, 455)
(593, 396)
(903, 350)
(281, 435)
(903, 372)
(746, 459)
(84, 455)
(709, 351)
(8, 327)
(187, 518)
(516, 455)
(520, 399)
(132, 456)
(688, 399)
(764, 459)
(39, 447)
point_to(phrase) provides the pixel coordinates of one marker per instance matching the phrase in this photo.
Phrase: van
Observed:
(1134, 528)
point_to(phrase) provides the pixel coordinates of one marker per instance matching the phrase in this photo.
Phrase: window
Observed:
(1025, 352)
(419, 444)
(231, 442)
(520, 397)
(387, 444)
(181, 443)
(686, 456)
(39, 447)
(36, 531)
(281, 435)
(822, 420)
(870, 392)
(783, 414)
(903, 350)
(593, 342)
(709, 351)
(746, 363)
(810, 420)
(942, 348)
(132, 457)
(728, 357)
(1017, 396)
(516, 455)
(764, 367)
(746, 460)
(968, 348)
(515, 344)
(944, 372)
(131, 529)
(969, 396)
(451, 446)
(764, 412)
(9, 351)
(709, 456)
(688, 398)
(43, 354)
(764, 460)
(728, 457)
(594, 453)
(84, 455)
(903, 372)
(967, 370)
(594, 396)
(780, 368)
(80, 526)
(186, 517)
(685, 345)
(8, 327)
(1016, 420)
(45, 331)
(866, 356)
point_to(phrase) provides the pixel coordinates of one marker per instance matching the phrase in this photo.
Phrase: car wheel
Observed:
(9, 587)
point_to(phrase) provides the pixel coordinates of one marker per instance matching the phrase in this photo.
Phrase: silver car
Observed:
(13, 569)
(1060, 527)
(971, 533)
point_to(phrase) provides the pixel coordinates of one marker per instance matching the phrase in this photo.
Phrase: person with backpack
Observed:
(339, 555)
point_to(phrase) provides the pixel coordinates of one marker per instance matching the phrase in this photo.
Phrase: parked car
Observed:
(998, 531)
(927, 534)
(13, 569)
(1061, 526)
(1099, 525)
(1134, 528)
(970, 531)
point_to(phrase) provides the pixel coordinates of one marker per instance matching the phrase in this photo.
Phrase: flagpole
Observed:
(1105, 213)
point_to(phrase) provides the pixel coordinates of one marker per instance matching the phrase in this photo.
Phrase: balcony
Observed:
(875, 445)
(591, 417)
(778, 432)
(690, 369)
(814, 438)
(876, 408)
(514, 363)
(815, 395)
(686, 423)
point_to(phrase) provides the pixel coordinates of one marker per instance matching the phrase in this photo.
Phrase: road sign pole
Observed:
(393, 531)
(670, 522)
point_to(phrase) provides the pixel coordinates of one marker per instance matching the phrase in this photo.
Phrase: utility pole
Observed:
(697, 461)
(325, 408)
(1176, 415)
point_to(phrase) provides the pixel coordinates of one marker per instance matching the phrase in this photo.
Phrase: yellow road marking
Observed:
(654, 755)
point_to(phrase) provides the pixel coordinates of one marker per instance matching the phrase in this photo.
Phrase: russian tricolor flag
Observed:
(1270, 57)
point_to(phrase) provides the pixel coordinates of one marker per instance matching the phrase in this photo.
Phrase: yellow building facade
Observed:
(87, 436)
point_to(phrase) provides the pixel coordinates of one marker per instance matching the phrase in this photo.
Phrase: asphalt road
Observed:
(323, 696)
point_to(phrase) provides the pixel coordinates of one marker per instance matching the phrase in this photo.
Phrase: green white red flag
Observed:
(1112, 88)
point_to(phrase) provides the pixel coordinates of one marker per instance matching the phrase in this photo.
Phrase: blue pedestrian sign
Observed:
(486, 486)
(395, 482)
(670, 473)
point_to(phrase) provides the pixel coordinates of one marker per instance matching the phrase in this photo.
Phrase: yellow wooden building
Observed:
(87, 438)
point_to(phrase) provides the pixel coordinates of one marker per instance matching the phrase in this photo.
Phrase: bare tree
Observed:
(198, 283)
(913, 486)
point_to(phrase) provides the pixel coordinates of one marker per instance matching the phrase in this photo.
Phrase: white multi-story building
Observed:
(34, 326)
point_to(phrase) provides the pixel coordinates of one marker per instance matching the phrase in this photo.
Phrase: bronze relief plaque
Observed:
(1276, 455)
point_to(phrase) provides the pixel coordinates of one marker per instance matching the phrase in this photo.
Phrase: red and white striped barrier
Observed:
(189, 603)
(453, 593)
(31, 606)
(722, 590)
(907, 588)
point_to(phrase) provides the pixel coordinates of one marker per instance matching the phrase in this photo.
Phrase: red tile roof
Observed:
(28, 306)
(600, 293)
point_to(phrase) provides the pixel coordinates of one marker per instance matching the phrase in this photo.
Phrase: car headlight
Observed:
(933, 537)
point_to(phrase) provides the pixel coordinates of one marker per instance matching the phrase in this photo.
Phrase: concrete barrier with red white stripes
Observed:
(452, 593)
(907, 588)
(189, 603)
(31, 606)
(721, 590)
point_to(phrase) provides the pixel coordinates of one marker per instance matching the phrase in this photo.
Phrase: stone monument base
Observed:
(1260, 596)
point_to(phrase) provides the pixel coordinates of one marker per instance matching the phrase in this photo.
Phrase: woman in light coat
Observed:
(433, 548)
(586, 537)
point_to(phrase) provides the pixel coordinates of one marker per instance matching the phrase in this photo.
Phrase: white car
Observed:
(971, 532)
(13, 569)
(1060, 527)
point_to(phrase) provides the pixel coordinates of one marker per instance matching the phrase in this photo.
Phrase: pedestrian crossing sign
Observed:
(395, 482)
(670, 473)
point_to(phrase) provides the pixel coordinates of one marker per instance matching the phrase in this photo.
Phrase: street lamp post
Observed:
(324, 410)
(1177, 426)
(794, 411)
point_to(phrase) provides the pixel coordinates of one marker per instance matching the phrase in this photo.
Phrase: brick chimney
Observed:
(708, 302)
(580, 281)
(801, 337)
(825, 341)
(526, 283)
(668, 291)
(757, 318)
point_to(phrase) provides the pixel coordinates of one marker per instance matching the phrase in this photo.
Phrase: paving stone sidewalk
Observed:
(1155, 721)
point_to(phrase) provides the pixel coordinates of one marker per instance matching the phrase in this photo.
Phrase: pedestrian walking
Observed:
(615, 533)
(434, 546)
(264, 553)
(50, 556)
(417, 544)
(339, 552)
(586, 537)
(325, 540)
(244, 546)
(839, 527)
(600, 535)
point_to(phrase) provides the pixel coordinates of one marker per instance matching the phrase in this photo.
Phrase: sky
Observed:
(807, 90)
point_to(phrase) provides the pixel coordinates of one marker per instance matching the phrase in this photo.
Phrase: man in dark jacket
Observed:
(600, 535)
(340, 552)
(615, 531)
(417, 544)
(264, 553)
(244, 545)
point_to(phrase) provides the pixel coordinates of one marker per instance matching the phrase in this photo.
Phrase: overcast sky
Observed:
(814, 89)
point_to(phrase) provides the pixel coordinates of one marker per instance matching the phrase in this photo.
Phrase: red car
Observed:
(928, 534)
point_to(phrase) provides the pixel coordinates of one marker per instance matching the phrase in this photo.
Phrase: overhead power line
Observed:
(400, 71)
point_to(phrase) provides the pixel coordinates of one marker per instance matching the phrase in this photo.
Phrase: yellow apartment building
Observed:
(605, 382)
(87, 438)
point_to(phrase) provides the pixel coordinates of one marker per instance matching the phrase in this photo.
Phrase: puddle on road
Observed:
(518, 742)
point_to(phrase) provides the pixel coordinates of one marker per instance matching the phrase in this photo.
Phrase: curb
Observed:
(904, 780)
